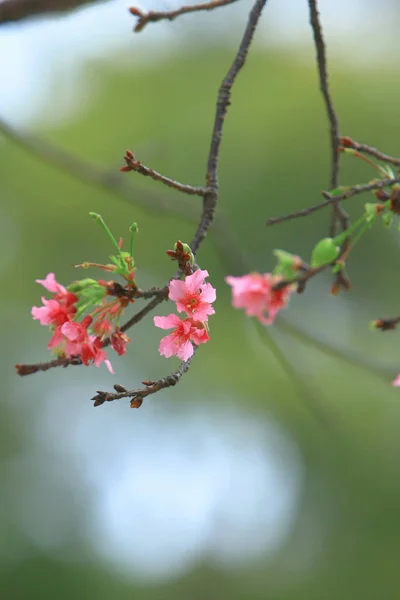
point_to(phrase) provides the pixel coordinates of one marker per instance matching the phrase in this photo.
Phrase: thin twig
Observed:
(387, 323)
(142, 313)
(339, 213)
(138, 167)
(45, 366)
(223, 100)
(151, 387)
(348, 193)
(348, 142)
(153, 16)
(302, 278)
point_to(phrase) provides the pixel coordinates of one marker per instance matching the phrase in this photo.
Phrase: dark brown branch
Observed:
(17, 10)
(352, 191)
(151, 387)
(223, 101)
(301, 279)
(386, 324)
(142, 313)
(348, 142)
(45, 366)
(153, 16)
(339, 213)
(138, 167)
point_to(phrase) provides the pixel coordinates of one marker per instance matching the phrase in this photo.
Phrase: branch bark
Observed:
(18, 10)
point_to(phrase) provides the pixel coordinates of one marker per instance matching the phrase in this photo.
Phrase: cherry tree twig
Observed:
(223, 100)
(151, 387)
(339, 213)
(138, 167)
(348, 193)
(154, 16)
(348, 142)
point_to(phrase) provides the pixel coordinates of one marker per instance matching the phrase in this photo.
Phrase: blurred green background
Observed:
(271, 471)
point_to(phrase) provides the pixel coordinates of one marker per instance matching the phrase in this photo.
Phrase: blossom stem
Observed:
(99, 219)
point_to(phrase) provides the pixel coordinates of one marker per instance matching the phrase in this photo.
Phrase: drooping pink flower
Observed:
(193, 296)
(179, 341)
(396, 382)
(102, 327)
(59, 309)
(53, 312)
(254, 292)
(51, 284)
(119, 340)
(92, 351)
(76, 335)
(61, 293)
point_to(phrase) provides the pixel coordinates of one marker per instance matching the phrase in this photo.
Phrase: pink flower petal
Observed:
(168, 346)
(167, 322)
(177, 290)
(396, 382)
(51, 284)
(196, 280)
(208, 293)
(185, 351)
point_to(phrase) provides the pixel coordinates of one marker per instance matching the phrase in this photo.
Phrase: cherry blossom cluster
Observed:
(193, 297)
(259, 296)
(83, 338)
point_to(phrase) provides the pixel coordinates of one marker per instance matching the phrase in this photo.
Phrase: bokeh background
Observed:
(272, 470)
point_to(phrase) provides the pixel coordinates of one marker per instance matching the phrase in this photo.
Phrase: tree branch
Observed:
(339, 213)
(223, 101)
(138, 167)
(151, 387)
(153, 16)
(348, 193)
(348, 142)
(17, 10)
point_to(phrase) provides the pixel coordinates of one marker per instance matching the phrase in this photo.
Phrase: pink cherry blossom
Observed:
(51, 284)
(76, 335)
(193, 296)
(254, 292)
(92, 351)
(179, 341)
(53, 312)
(119, 340)
(396, 382)
(102, 327)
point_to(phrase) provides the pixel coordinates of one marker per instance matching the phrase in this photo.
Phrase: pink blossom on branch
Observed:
(396, 382)
(119, 340)
(53, 312)
(254, 292)
(59, 309)
(51, 284)
(193, 296)
(178, 343)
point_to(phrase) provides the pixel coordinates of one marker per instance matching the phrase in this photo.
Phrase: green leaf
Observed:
(370, 212)
(324, 253)
(339, 190)
(387, 218)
